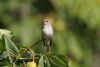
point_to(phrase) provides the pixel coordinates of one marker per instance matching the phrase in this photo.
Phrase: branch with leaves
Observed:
(28, 58)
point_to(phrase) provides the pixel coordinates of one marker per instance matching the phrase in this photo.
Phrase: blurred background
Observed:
(76, 25)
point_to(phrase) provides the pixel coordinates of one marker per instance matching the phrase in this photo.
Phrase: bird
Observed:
(47, 34)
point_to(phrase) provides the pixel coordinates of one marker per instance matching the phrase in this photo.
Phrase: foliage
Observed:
(15, 58)
(76, 25)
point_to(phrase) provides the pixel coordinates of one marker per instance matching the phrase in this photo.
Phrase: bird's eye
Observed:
(46, 21)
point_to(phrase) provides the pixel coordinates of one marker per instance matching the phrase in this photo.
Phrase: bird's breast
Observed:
(47, 31)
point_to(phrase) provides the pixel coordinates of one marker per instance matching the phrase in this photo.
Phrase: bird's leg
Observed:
(45, 45)
(43, 41)
(50, 41)
(48, 46)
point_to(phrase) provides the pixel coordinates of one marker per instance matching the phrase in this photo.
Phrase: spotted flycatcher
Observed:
(47, 33)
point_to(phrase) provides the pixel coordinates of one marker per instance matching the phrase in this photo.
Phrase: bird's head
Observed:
(46, 22)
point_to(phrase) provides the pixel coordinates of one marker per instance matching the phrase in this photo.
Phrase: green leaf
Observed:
(11, 48)
(57, 60)
(8, 34)
(53, 60)
(2, 46)
(41, 62)
(3, 55)
(14, 65)
(47, 62)
(3, 62)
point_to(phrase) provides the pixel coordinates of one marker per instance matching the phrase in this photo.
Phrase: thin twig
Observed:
(36, 43)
